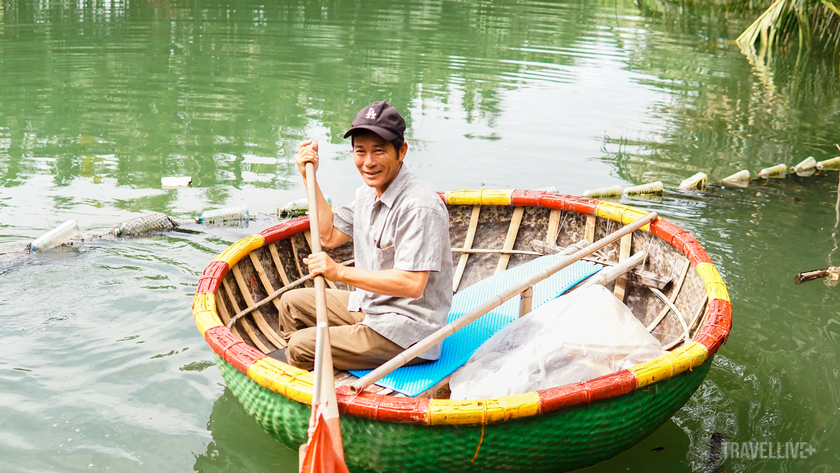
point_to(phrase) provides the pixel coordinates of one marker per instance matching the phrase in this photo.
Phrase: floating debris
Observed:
(653, 198)
(739, 179)
(695, 182)
(777, 171)
(298, 208)
(833, 272)
(239, 212)
(652, 188)
(175, 182)
(550, 189)
(806, 167)
(603, 191)
(144, 224)
(832, 164)
(55, 237)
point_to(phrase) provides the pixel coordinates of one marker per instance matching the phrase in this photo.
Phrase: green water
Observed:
(101, 366)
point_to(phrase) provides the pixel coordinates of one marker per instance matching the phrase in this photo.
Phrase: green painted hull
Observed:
(554, 442)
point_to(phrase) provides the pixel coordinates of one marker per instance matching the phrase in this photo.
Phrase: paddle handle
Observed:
(447, 330)
(322, 339)
(323, 391)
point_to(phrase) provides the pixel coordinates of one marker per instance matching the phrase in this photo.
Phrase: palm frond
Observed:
(785, 20)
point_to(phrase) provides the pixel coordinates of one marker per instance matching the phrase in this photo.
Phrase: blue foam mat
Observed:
(460, 346)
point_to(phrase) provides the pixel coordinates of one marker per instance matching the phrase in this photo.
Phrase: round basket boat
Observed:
(558, 429)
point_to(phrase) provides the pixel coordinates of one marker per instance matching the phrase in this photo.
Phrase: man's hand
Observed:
(307, 154)
(321, 263)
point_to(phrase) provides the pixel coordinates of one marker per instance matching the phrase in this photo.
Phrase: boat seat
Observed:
(460, 346)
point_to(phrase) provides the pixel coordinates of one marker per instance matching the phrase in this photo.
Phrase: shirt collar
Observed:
(393, 190)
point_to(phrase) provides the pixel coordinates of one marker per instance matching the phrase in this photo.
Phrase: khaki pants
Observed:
(354, 346)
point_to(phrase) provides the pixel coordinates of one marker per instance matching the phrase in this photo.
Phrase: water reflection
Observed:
(223, 92)
(239, 444)
(725, 113)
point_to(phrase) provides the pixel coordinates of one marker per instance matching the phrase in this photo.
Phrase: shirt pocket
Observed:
(383, 258)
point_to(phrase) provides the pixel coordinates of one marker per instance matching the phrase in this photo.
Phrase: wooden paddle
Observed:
(496, 301)
(324, 451)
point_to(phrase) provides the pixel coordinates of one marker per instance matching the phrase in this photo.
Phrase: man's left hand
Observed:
(321, 263)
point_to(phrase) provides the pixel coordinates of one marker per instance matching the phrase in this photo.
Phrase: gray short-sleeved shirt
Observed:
(407, 229)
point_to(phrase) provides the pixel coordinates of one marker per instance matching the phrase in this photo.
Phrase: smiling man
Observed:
(403, 268)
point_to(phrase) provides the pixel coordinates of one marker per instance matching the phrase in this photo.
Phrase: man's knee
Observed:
(296, 299)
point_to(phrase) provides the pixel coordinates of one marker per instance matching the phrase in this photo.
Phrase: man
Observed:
(403, 262)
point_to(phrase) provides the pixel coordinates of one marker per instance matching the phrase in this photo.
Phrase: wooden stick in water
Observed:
(816, 274)
(496, 301)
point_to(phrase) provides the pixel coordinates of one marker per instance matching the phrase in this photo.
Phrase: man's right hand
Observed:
(307, 153)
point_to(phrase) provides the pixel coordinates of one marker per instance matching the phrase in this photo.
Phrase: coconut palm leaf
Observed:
(807, 19)
(765, 29)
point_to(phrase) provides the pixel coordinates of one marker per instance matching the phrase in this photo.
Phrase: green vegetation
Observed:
(788, 20)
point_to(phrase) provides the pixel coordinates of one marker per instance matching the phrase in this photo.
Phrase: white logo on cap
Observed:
(371, 115)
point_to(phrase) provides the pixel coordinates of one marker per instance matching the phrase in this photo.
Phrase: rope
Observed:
(483, 423)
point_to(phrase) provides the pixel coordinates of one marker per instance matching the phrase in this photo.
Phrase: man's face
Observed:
(377, 160)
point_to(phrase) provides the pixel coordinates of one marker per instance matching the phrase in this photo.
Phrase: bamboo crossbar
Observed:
(606, 276)
(701, 313)
(490, 250)
(515, 222)
(496, 301)
(275, 294)
(249, 330)
(673, 307)
(468, 241)
(673, 298)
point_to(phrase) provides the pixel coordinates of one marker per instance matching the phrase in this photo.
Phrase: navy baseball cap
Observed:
(380, 118)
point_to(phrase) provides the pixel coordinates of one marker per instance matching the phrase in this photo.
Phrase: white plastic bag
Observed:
(576, 337)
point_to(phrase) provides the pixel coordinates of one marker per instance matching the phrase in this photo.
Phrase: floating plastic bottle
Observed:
(603, 191)
(55, 237)
(806, 167)
(695, 182)
(652, 188)
(239, 212)
(144, 224)
(832, 164)
(297, 208)
(776, 171)
(653, 198)
(740, 179)
(550, 189)
(175, 182)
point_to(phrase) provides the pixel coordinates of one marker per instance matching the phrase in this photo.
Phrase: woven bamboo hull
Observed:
(557, 442)
(557, 429)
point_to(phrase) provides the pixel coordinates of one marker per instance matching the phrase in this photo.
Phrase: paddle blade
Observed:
(322, 454)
